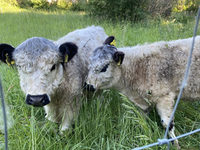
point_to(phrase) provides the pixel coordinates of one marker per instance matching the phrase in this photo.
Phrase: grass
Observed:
(107, 121)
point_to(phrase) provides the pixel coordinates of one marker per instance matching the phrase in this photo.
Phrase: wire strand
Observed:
(184, 82)
(4, 115)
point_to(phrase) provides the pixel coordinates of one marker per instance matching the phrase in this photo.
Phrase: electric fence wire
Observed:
(4, 115)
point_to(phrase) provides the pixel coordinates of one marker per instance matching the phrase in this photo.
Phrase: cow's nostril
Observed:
(31, 101)
(44, 100)
(89, 87)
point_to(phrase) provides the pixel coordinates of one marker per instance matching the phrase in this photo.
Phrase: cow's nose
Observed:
(37, 100)
(89, 87)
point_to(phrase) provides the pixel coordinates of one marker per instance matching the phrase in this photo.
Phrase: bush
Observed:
(133, 10)
(40, 4)
(187, 5)
(37, 4)
(79, 5)
(52, 5)
(64, 4)
(161, 7)
(24, 3)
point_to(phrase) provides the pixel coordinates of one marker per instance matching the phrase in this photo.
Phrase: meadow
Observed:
(107, 120)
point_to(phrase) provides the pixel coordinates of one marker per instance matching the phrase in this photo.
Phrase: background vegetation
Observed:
(132, 10)
(107, 120)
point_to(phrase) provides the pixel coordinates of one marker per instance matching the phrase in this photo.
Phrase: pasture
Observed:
(107, 120)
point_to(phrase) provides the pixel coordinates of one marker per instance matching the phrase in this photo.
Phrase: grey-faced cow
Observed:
(147, 74)
(52, 73)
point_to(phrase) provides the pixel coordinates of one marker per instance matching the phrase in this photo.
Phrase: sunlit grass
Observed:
(106, 121)
(6, 7)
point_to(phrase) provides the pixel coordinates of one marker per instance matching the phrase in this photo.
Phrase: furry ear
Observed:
(6, 52)
(68, 50)
(118, 57)
(110, 41)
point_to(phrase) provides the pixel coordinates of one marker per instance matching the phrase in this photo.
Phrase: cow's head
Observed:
(40, 64)
(104, 69)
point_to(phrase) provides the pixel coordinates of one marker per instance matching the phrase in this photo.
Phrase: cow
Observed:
(147, 74)
(52, 73)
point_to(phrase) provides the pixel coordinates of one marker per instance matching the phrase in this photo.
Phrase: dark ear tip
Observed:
(72, 46)
(4, 45)
(119, 53)
(109, 39)
(69, 49)
(118, 57)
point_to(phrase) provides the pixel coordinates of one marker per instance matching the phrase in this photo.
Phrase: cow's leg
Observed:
(68, 118)
(69, 113)
(51, 113)
(165, 107)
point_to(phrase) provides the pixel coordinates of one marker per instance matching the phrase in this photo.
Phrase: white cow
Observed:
(52, 73)
(147, 74)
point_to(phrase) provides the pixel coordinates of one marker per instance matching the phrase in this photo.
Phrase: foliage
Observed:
(133, 10)
(43, 4)
(11, 2)
(160, 7)
(64, 4)
(187, 5)
(79, 5)
(24, 3)
(118, 9)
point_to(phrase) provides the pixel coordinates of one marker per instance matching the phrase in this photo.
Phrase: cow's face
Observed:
(40, 64)
(104, 69)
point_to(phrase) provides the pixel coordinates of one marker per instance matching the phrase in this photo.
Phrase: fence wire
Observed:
(4, 115)
(184, 82)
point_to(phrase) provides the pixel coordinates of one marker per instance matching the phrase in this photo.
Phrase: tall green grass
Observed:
(106, 121)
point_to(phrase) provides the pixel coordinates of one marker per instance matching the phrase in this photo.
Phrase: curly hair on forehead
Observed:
(36, 46)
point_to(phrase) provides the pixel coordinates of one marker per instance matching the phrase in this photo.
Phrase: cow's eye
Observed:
(53, 67)
(104, 68)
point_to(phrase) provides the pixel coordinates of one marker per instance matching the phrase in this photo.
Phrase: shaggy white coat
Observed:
(150, 74)
(34, 59)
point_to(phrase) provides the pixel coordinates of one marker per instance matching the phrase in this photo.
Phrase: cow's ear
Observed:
(68, 50)
(118, 57)
(6, 54)
(110, 41)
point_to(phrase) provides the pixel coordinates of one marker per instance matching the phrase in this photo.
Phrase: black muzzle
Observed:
(37, 100)
(89, 87)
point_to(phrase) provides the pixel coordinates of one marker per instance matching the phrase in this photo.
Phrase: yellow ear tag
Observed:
(119, 63)
(12, 62)
(113, 43)
(66, 58)
(7, 59)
